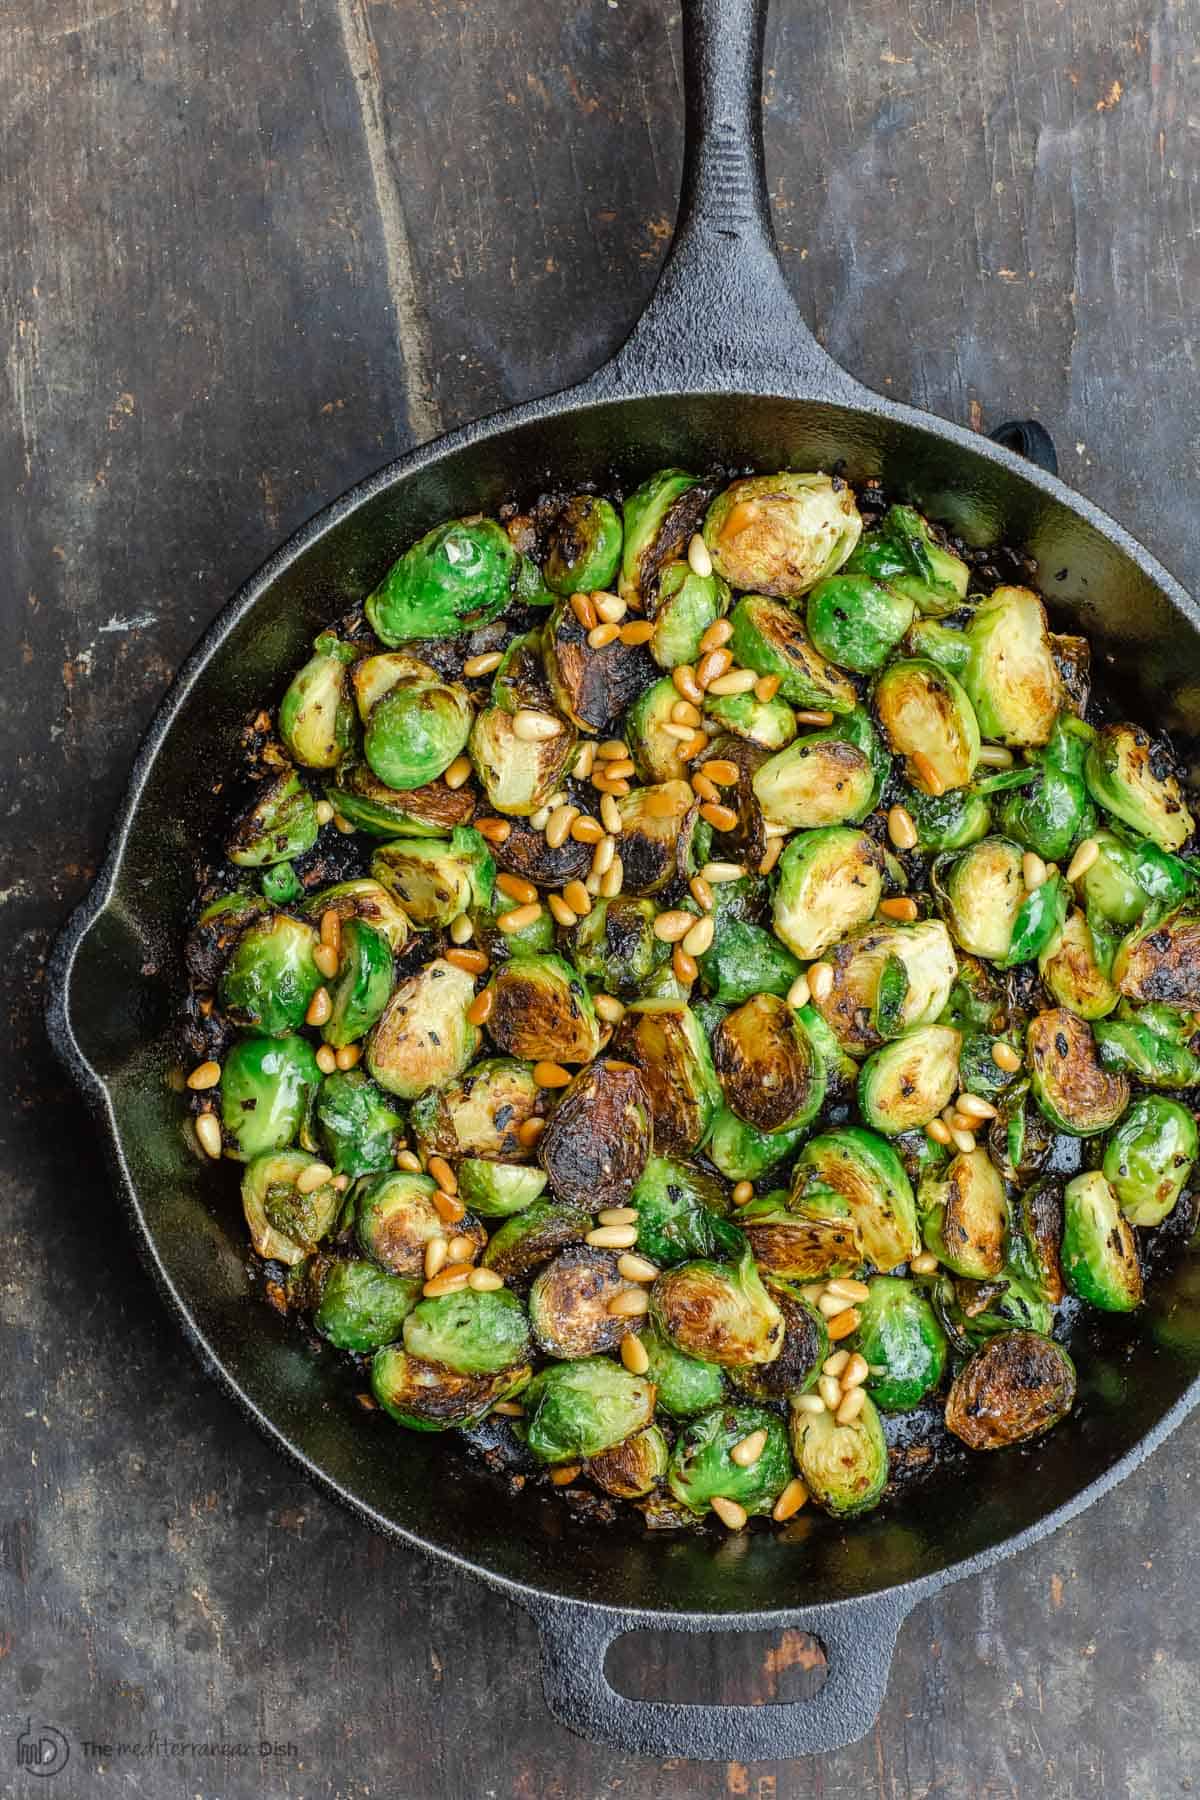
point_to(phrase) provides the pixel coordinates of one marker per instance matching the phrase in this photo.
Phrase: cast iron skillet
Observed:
(720, 368)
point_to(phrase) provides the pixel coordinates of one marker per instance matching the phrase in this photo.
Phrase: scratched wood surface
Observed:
(250, 249)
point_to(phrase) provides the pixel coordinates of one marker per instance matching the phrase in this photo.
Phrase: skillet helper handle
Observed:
(1030, 439)
(858, 1639)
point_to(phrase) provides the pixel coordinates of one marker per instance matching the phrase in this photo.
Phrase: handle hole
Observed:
(708, 1668)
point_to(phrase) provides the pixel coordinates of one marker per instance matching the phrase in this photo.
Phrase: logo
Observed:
(44, 1751)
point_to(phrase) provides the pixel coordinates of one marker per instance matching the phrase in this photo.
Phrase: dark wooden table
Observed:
(249, 250)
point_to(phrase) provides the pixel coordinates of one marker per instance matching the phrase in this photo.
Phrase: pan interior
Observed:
(128, 974)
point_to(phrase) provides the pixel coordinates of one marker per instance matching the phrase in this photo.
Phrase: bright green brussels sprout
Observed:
(682, 1213)
(458, 576)
(533, 1235)
(281, 824)
(659, 518)
(1149, 1157)
(719, 1312)
(684, 605)
(316, 715)
(821, 779)
(981, 893)
(281, 885)
(1160, 962)
(746, 960)
(270, 977)
(1130, 775)
(702, 1465)
(577, 1409)
(480, 1114)
(519, 774)
(902, 1341)
(362, 1307)
(1099, 1251)
(903, 554)
(375, 676)
(1159, 1057)
(395, 1218)
(830, 882)
(1111, 892)
(497, 1189)
(1165, 879)
(267, 1090)
(656, 751)
(1017, 1386)
(663, 1039)
(856, 622)
(596, 1144)
(285, 1224)
(614, 947)
(684, 1386)
(942, 644)
(584, 550)
(928, 719)
(1070, 1084)
(780, 534)
(424, 1038)
(865, 1170)
(908, 1081)
(541, 1010)
(947, 821)
(1072, 971)
(770, 638)
(633, 1468)
(471, 1333)
(768, 1066)
(1012, 678)
(363, 899)
(743, 1153)
(358, 1126)
(363, 984)
(416, 731)
(886, 980)
(592, 687)
(768, 723)
(569, 1300)
(815, 1237)
(655, 828)
(844, 1467)
(964, 1215)
(1050, 815)
(358, 796)
(430, 1397)
(433, 880)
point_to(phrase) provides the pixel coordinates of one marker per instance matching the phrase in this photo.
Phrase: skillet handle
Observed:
(858, 1638)
(722, 316)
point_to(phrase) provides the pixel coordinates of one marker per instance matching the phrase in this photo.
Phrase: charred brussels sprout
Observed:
(1072, 970)
(928, 719)
(742, 1152)
(1130, 775)
(768, 1066)
(982, 892)
(633, 1468)
(480, 1114)
(663, 1039)
(1099, 1251)
(937, 643)
(683, 1385)
(682, 1213)
(821, 779)
(902, 1341)
(1070, 1084)
(541, 1010)
(362, 986)
(497, 1189)
(1012, 678)
(584, 547)
(358, 796)
(684, 606)
(362, 1307)
(1016, 1387)
(830, 882)
(949, 821)
(281, 824)
(424, 1038)
(316, 715)
(964, 1215)
(907, 1082)
(458, 576)
(779, 534)
(1161, 962)
(770, 639)
(844, 1467)
(416, 731)
(856, 622)
(719, 1312)
(433, 880)
(904, 555)
(568, 1304)
(533, 1235)
(702, 1464)
(592, 687)
(395, 1218)
(798, 1365)
(1149, 1158)
(868, 1175)
(216, 931)
(469, 1332)
(285, 1224)
(656, 824)
(270, 977)
(615, 948)
(579, 1409)
(429, 1397)
(358, 1127)
(916, 962)
(814, 1238)
(267, 1090)
(659, 517)
(596, 1144)
(519, 774)
(1038, 1228)
(363, 899)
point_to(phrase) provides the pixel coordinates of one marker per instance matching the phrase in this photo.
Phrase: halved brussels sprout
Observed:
(798, 1365)
(902, 1341)
(633, 1468)
(584, 550)
(1038, 1228)
(844, 1467)
(429, 1397)
(779, 534)
(270, 976)
(769, 723)
(1099, 1251)
(1109, 887)
(363, 984)
(964, 1215)
(358, 796)
(1131, 776)
(943, 644)
(1149, 1158)
(656, 826)
(424, 1038)
(770, 638)
(458, 576)
(719, 1312)
(363, 899)
(1149, 1045)
(904, 554)
(947, 821)
(768, 1066)
(218, 928)
(284, 1224)
(316, 715)
(659, 518)
(856, 622)
(542, 1011)
(592, 687)
(683, 606)
(830, 882)
(663, 1039)
(433, 880)
(533, 1235)
(471, 1333)
(281, 824)
(374, 676)
(742, 1152)
(815, 1237)
(1075, 1091)
(568, 1303)
(358, 1127)
(683, 1385)
(928, 719)
(267, 1090)
(614, 946)
(1072, 972)
(702, 1465)
(497, 1189)
(574, 1410)
(481, 1114)
(854, 1008)
(1017, 1386)
(1012, 678)
(908, 1081)
(818, 780)
(526, 853)
(746, 960)
(395, 1218)
(865, 1170)
(362, 1307)
(596, 1144)
(416, 731)
(520, 774)
(1160, 962)
(981, 894)
(656, 751)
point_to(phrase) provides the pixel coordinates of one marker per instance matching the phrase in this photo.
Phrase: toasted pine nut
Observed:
(748, 1451)
(517, 888)
(766, 688)
(734, 681)
(436, 1252)
(841, 1285)
(770, 856)
(612, 879)
(701, 893)
(618, 1215)
(901, 829)
(844, 1323)
(483, 664)
(448, 1281)
(610, 608)
(449, 1207)
(637, 631)
(566, 1474)
(460, 1249)
(612, 1237)
(324, 812)
(830, 1390)
(670, 927)
(637, 1268)
(461, 929)
(561, 911)
(707, 790)
(608, 1008)
(313, 1177)
(685, 681)
(717, 872)
(924, 1264)
(496, 831)
(348, 1056)
(326, 959)
(851, 1406)
(481, 1006)
(550, 1075)
(509, 1409)
(721, 818)
(577, 898)
(205, 1075)
(612, 750)
(540, 819)
(684, 713)
(717, 635)
(619, 770)
(591, 882)
(699, 560)
(742, 1192)
(633, 1354)
(601, 636)
(938, 1130)
(586, 830)
(530, 1131)
(208, 1134)
(683, 734)
(831, 1304)
(902, 908)
(1033, 869)
(519, 918)
(711, 666)
(1085, 855)
(1005, 1057)
(855, 1372)
(343, 825)
(472, 962)
(534, 727)
(585, 758)
(407, 1160)
(721, 771)
(798, 994)
(995, 756)
(630, 1303)
(731, 1515)
(684, 965)
(807, 1403)
(584, 608)
(700, 937)
(319, 1007)
(963, 1141)
(793, 1497)
(484, 1281)
(602, 856)
(813, 715)
(820, 981)
(331, 929)
(971, 1106)
(559, 824)
(610, 813)
(833, 1365)
(926, 773)
(441, 1172)
(326, 1059)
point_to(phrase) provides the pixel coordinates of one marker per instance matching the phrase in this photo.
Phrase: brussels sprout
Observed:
(358, 796)
(743, 1153)
(480, 1114)
(1017, 1386)
(284, 1224)
(633, 1468)
(856, 622)
(358, 1127)
(908, 1081)
(978, 1071)
(1050, 815)
(416, 731)
(362, 1307)
(584, 546)
(683, 605)
(1130, 1042)
(270, 976)
(541, 1010)
(830, 882)
(902, 1341)
(1038, 1228)
(656, 751)
(746, 960)
(928, 719)
(614, 946)
(520, 774)
(844, 1467)
(267, 1090)
(456, 577)
(216, 931)
(578, 1409)
(854, 1007)
(663, 1039)
(947, 821)
(1021, 1137)
(964, 1215)
(281, 824)
(941, 644)
(1072, 972)
(395, 1218)
(779, 534)
(533, 1235)
(656, 827)
(682, 1213)
(433, 880)
(702, 1466)
(598, 1139)
(497, 1189)
(770, 639)
(903, 554)
(818, 780)
(429, 1397)
(424, 1038)
(684, 1385)
(568, 1304)
(363, 899)
(468, 1332)
(1160, 962)
(659, 518)
(374, 676)
(719, 1312)
(281, 885)
(768, 1066)
(1099, 1251)
(1012, 678)
(865, 1170)
(1165, 879)
(1111, 892)
(768, 723)
(1131, 776)
(362, 986)
(592, 687)
(1149, 1158)
(815, 1238)
(981, 893)
(973, 1311)
(316, 715)
(1075, 1091)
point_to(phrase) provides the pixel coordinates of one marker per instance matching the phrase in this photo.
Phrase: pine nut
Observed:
(1005, 1057)
(483, 664)
(926, 773)
(349, 1056)
(684, 713)
(637, 1268)
(842, 1284)
(844, 1324)
(314, 1176)
(460, 1249)
(807, 1403)
(770, 856)
(721, 818)
(972, 1107)
(813, 715)
(938, 1130)
(700, 937)
(717, 635)
(856, 1371)
(612, 1237)
(686, 684)
(517, 888)
(608, 1008)
(1033, 869)
(735, 681)
(529, 1132)
(900, 908)
(481, 1006)
(766, 688)
(561, 912)
(634, 1354)
(618, 1215)
(534, 727)
(731, 1515)
(343, 825)
(630, 1303)
(540, 819)
(706, 789)
(699, 560)
(748, 1450)
(830, 1390)
(326, 959)
(519, 919)
(566, 1474)
(602, 856)
(798, 994)
(612, 879)
(484, 1281)
(712, 665)
(833, 1365)
(586, 830)
(436, 1254)
(449, 1281)
(610, 608)
(449, 1207)
(319, 1008)
(324, 812)
(637, 631)
(924, 1264)
(793, 1497)
(683, 734)
(584, 608)
(995, 756)
(720, 771)
(619, 770)
(205, 1075)
(901, 829)
(441, 1172)
(717, 872)
(743, 1191)
(509, 1409)
(820, 981)
(577, 898)
(963, 1141)
(326, 1059)
(550, 1075)
(684, 966)
(472, 962)
(670, 927)
(851, 1406)
(559, 824)
(585, 758)
(610, 813)
(1085, 855)
(601, 636)
(405, 1159)
(496, 831)
(591, 882)
(208, 1134)
(461, 929)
